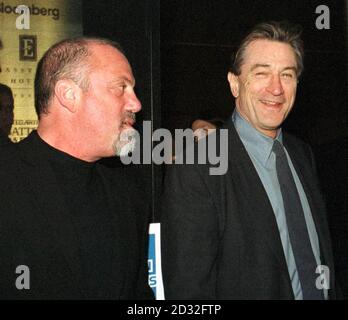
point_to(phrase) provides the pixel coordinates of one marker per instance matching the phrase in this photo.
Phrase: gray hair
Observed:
(274, 31)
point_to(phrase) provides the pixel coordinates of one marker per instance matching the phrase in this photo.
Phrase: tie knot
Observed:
(278, 148)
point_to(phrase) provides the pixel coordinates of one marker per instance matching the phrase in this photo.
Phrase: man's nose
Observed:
(133, 103)
(275, 85)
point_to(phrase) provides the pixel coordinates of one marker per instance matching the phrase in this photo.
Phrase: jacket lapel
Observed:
(259, 215)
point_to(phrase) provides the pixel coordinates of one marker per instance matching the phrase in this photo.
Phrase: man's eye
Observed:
(261, 74)
(120, 89)
(287, 75)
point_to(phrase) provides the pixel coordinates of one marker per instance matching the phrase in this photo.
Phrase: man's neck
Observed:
(63, 141)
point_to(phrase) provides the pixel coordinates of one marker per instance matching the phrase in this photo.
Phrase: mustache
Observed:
(130, 115)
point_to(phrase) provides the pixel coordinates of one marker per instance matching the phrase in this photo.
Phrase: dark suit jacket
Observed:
(35, 230)
(220, 238)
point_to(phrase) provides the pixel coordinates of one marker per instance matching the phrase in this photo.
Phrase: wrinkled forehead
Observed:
(269, 52)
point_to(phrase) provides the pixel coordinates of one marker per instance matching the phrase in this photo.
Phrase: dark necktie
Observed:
(297, 227)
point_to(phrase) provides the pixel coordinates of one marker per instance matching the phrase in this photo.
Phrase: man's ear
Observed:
(66, 92)
(234, 84)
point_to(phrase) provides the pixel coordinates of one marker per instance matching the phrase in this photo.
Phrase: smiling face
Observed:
(266, 88)
(107, 109)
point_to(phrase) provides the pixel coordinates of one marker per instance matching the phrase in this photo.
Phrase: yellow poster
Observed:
(25, 36)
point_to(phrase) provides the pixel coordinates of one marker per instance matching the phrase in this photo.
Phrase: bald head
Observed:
(68, 59)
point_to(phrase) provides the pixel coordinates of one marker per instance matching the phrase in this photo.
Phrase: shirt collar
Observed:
(257, 144)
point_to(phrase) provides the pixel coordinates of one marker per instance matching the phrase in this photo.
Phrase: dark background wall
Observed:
(180, 52)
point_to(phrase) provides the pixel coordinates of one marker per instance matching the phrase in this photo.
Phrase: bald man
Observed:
(71, 227)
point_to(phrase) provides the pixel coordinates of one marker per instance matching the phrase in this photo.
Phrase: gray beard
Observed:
(126, 142)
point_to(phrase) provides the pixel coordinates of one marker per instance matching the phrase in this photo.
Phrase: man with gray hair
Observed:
(72, 228)
(259, 231)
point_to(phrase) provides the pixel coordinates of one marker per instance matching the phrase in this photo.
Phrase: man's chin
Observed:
(126, 142)
(272, 122)
(126, 149)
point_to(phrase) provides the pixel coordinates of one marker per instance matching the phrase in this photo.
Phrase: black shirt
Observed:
(85, 190)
